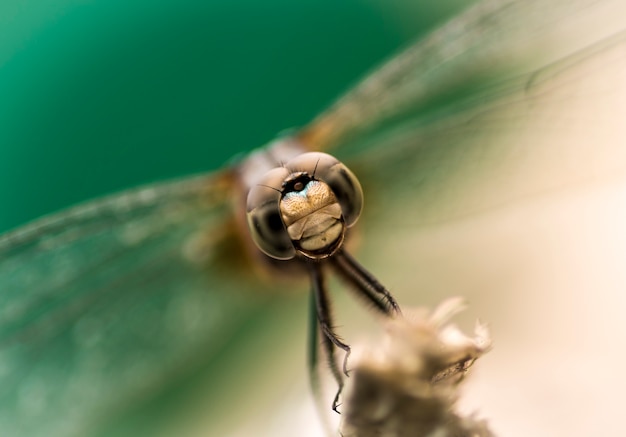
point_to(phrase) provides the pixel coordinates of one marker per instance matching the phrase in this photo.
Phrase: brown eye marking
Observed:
(295, 182)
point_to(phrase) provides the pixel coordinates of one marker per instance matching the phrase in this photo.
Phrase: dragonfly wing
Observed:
(492, 43)
(557, 128)
(111, 311)
(502, 102)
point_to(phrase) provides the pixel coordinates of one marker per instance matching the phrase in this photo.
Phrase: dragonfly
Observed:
(118, 316)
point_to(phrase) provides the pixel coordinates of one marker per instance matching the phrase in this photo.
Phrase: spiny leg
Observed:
(312, 346)
(323, 320)
(364, 282)
(313, 357)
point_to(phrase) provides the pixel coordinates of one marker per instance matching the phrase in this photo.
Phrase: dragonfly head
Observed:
(304, 207)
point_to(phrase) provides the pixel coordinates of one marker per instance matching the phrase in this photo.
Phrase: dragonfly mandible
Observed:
(114, 314)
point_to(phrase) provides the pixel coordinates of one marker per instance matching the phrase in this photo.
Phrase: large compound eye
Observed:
(343, 183)
(264, 219)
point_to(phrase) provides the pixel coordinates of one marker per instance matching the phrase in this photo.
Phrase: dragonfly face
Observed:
(492, 156)
(304, 207)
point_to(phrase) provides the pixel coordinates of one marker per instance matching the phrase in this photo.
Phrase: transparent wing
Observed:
(509, 99)
(560, 130)
(109, 310)
(489, 51)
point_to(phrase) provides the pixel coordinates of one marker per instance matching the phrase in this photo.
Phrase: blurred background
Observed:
(98, 96)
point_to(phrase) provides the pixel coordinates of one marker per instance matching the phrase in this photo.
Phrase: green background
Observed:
(97, 96)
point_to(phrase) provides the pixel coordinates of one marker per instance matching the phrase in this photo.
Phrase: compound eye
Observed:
(343, 183)
(264, 218)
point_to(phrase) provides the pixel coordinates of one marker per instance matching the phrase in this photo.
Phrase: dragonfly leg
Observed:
(323, 322)
(365, 283)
